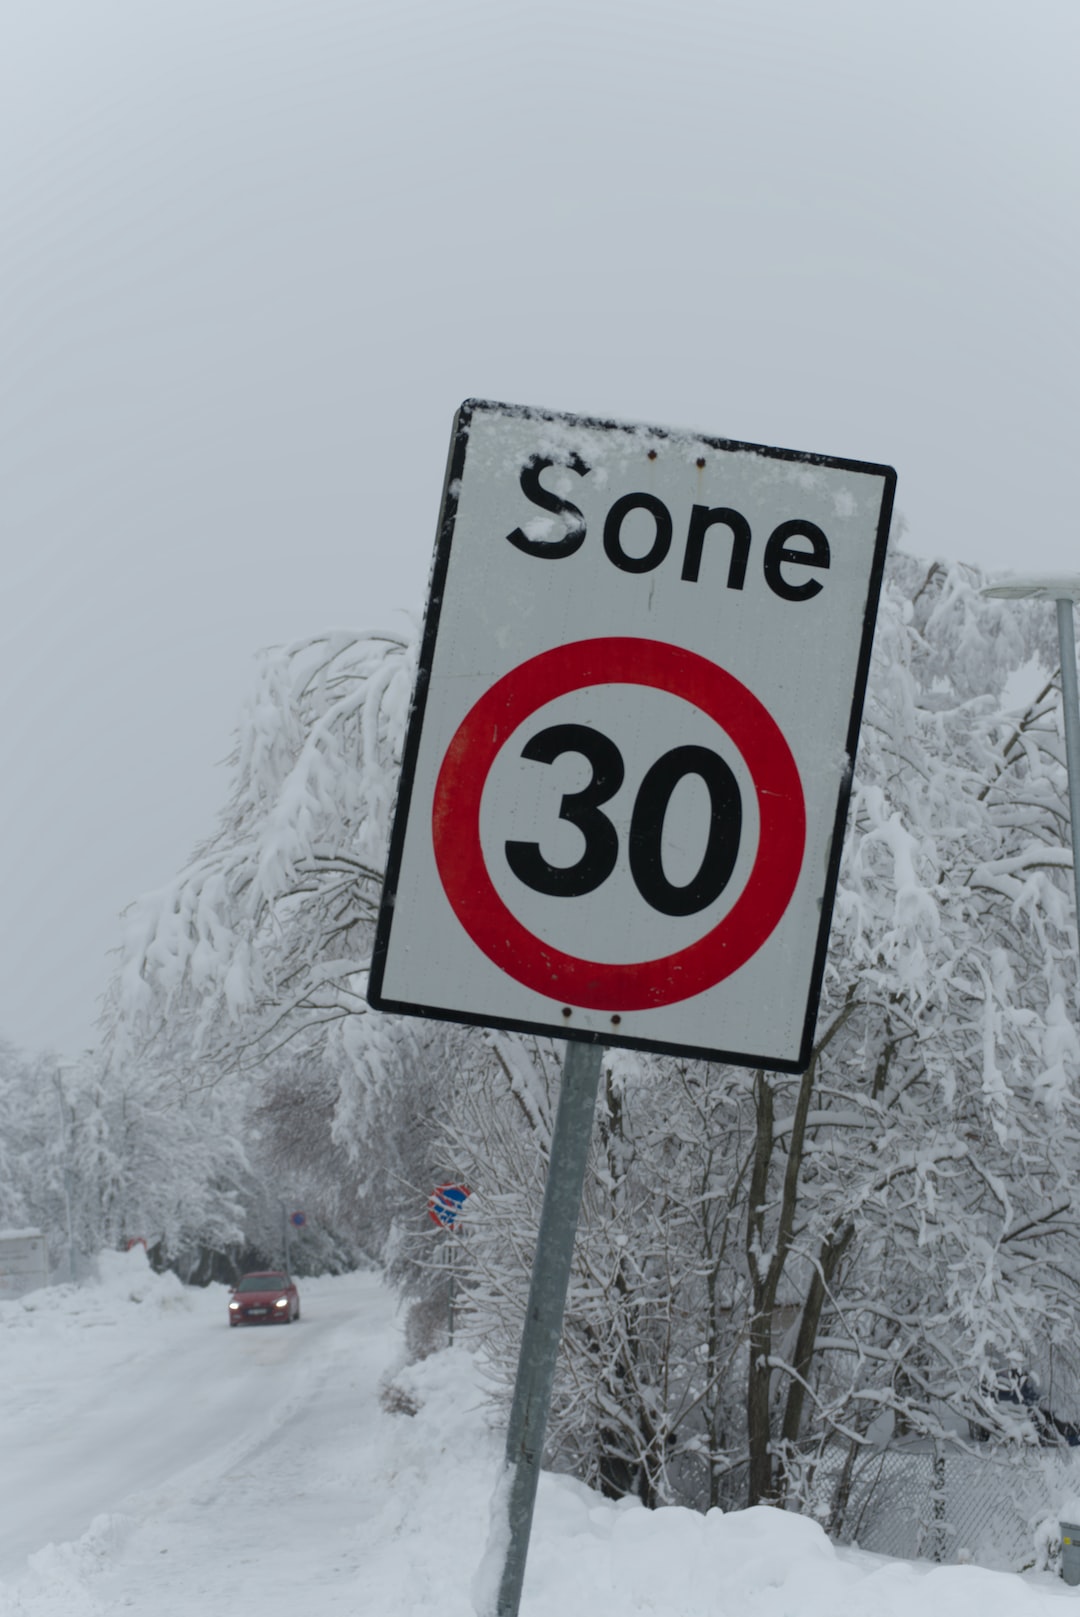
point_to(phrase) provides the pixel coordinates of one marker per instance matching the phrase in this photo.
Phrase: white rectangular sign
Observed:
(628, 763)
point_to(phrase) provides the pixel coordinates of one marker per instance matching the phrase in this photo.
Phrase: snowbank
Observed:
(158, 1461)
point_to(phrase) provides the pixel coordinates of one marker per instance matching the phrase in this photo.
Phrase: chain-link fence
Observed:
(940, 1501)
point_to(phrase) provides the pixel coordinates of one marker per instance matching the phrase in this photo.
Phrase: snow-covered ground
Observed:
(152, 1460)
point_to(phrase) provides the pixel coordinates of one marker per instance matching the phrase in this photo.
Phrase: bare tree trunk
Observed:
(833, 1248)
(765, 1262)
(842, 1493)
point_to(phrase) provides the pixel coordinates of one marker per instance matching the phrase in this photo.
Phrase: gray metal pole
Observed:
(547, 1301)
(1071, 707)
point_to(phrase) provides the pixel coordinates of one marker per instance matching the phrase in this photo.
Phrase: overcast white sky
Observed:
(253, 254)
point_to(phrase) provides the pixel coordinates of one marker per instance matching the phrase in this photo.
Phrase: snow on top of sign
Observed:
(612, 445)
(604, 447)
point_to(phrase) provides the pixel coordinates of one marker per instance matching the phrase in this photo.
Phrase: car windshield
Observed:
(262, 1283)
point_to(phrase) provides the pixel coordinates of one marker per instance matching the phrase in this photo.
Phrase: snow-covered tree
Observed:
(264, 936)
(766, 1261)
(914, 1186)
(17, 1079)
(241, 981)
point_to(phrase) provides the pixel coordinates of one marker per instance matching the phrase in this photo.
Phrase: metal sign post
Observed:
(547, 1301)
(444, 1208)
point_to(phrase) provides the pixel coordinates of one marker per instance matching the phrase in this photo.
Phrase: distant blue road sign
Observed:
(298, 1219)
(445, 1203)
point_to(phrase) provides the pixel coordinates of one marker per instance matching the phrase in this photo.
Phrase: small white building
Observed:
(24, 1262)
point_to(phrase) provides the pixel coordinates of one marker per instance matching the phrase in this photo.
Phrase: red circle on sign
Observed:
(642, 984)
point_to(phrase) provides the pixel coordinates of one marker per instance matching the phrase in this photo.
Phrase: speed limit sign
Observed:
(626, 772)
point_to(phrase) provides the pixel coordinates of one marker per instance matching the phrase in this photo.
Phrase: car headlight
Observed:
(234, 1305)
(282, 1302)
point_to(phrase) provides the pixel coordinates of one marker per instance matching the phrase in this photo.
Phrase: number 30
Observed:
(582, 809)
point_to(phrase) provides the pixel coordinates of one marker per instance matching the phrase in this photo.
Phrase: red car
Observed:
(266, 1297)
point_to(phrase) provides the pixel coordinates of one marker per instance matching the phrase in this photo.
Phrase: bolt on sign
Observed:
(627, 768)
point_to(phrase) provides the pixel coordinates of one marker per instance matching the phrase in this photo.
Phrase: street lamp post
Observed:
(1065, 592)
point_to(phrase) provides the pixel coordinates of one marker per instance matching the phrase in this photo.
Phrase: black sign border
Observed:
(440, 565)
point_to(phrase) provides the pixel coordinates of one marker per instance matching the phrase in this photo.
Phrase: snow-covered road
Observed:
(153, 1461)
(166, 1411)
(180, 1466)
